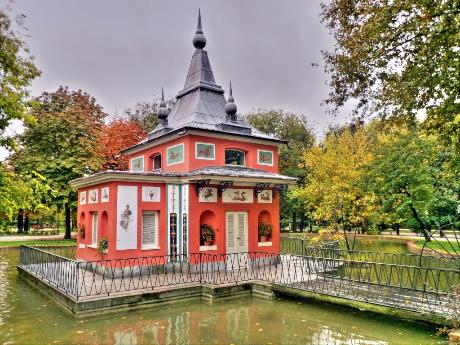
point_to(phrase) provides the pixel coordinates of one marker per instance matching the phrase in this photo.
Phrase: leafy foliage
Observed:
(411, 179)
(118, 135)
(145, 114)
(397, 58)
(16, 73)
(61, 144)
(335, 168)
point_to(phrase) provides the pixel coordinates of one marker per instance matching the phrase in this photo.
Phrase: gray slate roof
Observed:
(201, 105)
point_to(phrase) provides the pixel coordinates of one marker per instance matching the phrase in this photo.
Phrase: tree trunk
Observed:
(20, 220)
(397, 229)
(294, 222)
(26, 223)
(425, 232)
(68, 230)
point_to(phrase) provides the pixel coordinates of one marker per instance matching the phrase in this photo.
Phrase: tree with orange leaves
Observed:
(118, 135)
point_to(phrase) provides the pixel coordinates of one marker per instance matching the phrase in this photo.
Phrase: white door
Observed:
(237, 239)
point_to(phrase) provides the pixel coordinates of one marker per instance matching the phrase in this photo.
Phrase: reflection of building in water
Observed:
(238, 325)
(125, 338)
(328, 336)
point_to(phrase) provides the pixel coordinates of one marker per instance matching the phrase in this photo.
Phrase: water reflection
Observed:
(249, 322)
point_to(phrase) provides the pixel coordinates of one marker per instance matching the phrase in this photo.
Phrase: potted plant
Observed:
(103, 246)
(207, 234)
(265, 231)
(81, 231)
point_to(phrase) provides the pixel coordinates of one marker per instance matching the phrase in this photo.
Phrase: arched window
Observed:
(235, 157)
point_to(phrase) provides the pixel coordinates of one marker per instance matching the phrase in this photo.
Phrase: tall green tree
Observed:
(397, 58)
(61, 144)
(16, 73)
(297, 131)
(411, 179)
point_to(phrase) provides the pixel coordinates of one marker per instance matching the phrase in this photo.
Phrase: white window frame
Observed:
(143, 164)
(183, 154)
(273, 157)
(94, 229)
(207, 159)
(154, 245)
(234, 165)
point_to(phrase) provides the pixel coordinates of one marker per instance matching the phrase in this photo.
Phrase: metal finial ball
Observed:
(163, 112)
(199, 41)
(230, 108)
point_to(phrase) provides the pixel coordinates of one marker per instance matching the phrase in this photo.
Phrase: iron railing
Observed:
(352, 275)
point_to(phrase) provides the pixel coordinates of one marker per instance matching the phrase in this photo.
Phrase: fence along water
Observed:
(392, 281)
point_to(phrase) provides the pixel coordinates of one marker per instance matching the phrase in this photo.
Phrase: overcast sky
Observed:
(122, 52)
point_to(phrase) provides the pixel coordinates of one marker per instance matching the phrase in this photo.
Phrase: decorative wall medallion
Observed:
(137, 164)
(82, 198)
(208, 194)
(93, 196)
(175, 154)
(151, 194)
(205, 151)
(265, 197)
(244, 196)
(126, 217)
(105, 194)
(264, 157)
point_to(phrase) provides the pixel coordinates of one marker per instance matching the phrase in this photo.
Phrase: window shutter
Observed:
(94, 229)
(149, 228)
(230, 232)
(242, 231)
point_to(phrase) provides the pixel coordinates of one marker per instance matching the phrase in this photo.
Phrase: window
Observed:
(149, 229)
(234, 157)
(94, 229)
(157, 162)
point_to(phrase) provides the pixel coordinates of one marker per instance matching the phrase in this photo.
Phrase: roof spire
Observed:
(163, 112)
(230, 107)
(199, 41)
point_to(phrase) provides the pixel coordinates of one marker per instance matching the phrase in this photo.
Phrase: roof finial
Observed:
(162, 110)
(230, 107)
(199, 41)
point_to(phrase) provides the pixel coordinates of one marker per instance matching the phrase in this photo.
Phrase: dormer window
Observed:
(235, 157)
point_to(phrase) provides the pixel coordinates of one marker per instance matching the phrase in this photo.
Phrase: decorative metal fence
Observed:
(362, 276)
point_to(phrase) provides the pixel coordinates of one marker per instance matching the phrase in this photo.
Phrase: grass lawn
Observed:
(38, 243)
(441, 247)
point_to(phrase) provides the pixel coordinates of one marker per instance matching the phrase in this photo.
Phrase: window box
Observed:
(208, 248)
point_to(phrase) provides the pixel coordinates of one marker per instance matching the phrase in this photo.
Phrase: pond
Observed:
(27, 317)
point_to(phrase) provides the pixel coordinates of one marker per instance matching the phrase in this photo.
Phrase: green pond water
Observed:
(26, 317)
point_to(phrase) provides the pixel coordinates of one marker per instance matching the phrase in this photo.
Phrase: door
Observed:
(237, 239)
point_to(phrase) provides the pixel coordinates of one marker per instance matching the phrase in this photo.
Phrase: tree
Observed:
(61, 144)
(16, 73)
(333, 190)
(145, 114)
(118, 135)
(297, 131)
(411, 179)
(21, 192)
(397, 58)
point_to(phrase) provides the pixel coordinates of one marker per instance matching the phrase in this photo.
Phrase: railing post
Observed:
(200, 266)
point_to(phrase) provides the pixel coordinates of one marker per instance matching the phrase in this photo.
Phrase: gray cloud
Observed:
(122, 52)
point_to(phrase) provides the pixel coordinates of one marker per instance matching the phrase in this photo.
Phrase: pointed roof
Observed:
(201, 103)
